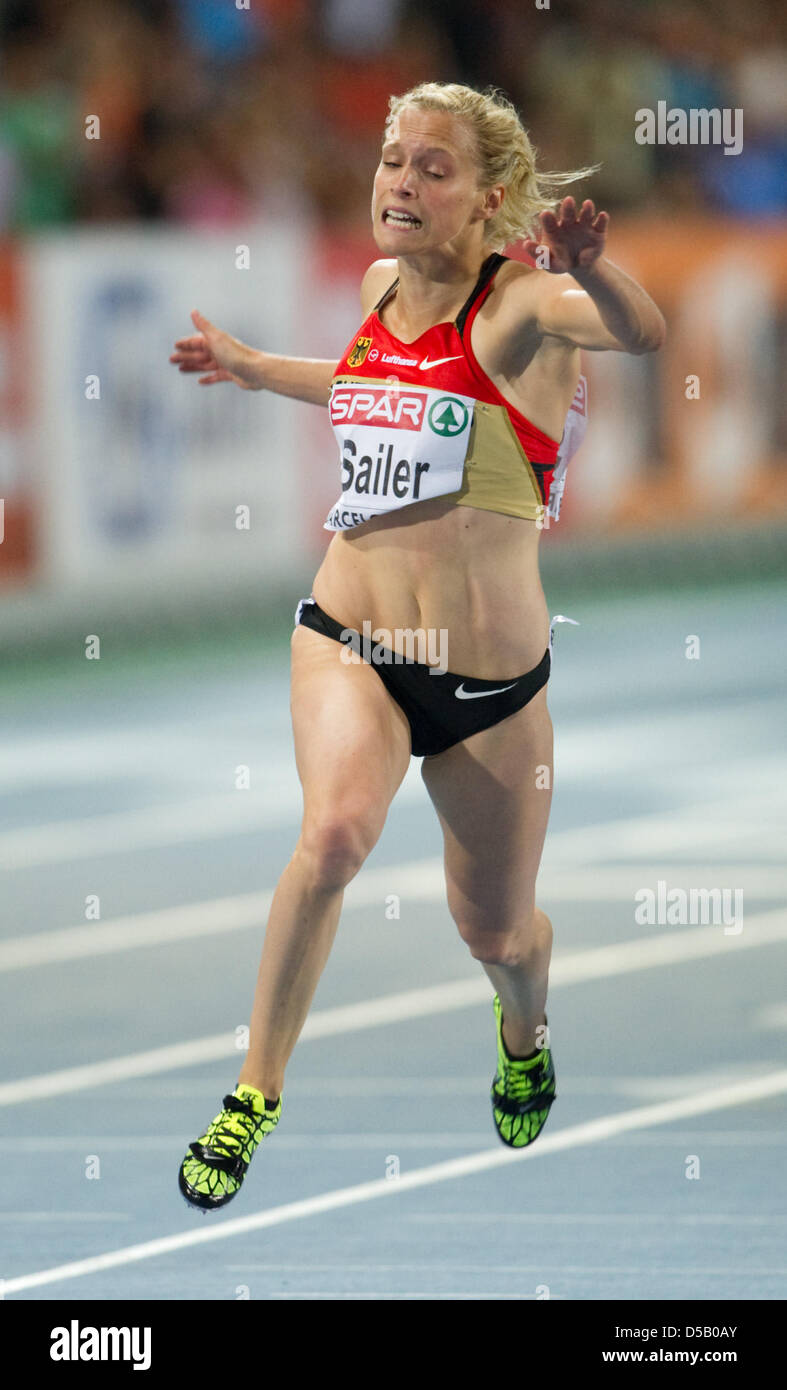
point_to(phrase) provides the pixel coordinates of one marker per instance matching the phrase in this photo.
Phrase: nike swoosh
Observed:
(438, 362)
(476, 694)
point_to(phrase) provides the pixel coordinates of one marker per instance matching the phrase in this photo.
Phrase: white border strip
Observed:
(578, 967)
(593, 1132)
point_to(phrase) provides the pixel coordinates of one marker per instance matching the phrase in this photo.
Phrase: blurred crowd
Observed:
(214, 111)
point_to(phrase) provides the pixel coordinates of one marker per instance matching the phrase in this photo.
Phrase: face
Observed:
(426, 187)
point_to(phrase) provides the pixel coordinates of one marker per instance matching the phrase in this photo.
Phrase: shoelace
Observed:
(231, 1134)
(520, 1085)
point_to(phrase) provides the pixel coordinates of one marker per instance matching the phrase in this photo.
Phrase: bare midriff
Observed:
(433, 565)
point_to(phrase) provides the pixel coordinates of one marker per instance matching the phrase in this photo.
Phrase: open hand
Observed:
(217, 354)
(573, 241)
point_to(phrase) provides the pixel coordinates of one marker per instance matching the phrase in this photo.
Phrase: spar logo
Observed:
(399, 409)
(448, 416)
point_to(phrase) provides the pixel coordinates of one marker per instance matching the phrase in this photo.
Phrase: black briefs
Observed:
(441, 709)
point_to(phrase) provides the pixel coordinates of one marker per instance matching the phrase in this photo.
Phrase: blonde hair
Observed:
(504, 154)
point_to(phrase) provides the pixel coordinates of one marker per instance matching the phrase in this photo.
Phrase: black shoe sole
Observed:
(508, 1142)
(197, 1201)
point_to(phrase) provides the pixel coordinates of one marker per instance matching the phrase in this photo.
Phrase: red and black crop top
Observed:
(422, 420)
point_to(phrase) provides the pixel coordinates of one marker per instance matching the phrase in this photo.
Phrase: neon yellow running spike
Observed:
(215, 1166)
(522, 1092)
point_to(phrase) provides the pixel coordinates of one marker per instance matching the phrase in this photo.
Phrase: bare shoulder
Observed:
(524, 303)
(527, 287)
(376, 281)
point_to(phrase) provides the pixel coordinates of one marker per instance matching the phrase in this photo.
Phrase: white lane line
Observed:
(148, 827)
(43, 760)
(708, 826)
(419, 880)
(172, 823)
(135, 930)
(729, 827)
(604, 962)
(349, 1018)
(593, 1132)
(615, 883)
(166, 752)
(688, 943)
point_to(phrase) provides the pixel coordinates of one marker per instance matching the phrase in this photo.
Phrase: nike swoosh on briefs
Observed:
(476, 694)
(438, 362)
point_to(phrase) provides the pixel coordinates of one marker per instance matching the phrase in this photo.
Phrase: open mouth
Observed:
(400, 219)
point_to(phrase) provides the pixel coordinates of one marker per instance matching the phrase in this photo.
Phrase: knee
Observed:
(526, 943)
(334, 847)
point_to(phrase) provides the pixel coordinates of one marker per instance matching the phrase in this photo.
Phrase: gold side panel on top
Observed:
(497, 472)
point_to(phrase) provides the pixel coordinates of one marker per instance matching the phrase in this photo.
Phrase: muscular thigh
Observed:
(492, 794)
(352, 741)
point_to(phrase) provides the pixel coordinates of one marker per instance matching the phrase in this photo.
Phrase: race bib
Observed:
(398, 444)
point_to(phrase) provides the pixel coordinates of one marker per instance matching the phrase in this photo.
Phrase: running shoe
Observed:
(522, 1091)
(215, 1166)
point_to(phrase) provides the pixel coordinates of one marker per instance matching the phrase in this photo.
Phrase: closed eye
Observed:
(394, 164)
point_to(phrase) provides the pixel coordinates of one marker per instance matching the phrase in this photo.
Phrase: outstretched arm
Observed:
(591, 302)
(220, 357)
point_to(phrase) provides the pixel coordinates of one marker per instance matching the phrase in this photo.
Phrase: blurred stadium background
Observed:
(221, 127)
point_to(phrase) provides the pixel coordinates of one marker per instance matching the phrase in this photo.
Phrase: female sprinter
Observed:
(449, 407)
